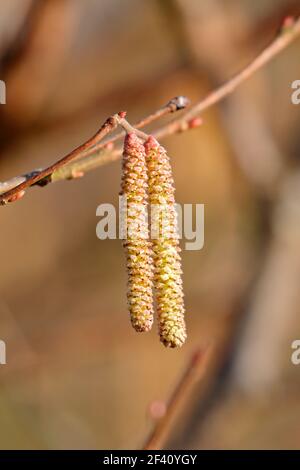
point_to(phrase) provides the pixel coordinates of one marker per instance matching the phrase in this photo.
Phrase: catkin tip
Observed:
(151, 144)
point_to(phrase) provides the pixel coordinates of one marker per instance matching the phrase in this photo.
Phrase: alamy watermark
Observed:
(295, 97)
(2, 352)
(2, 92)
(133, 218)
(295, 356)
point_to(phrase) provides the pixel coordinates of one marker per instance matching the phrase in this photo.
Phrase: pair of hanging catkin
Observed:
(153, 259)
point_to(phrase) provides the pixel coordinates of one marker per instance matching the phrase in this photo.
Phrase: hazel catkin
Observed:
(166, 252)
(138, 250)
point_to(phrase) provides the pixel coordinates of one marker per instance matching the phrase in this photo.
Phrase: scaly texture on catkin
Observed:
(166, 251)
(134, 189)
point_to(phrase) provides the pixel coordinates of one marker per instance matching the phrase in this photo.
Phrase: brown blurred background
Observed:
(77, 376)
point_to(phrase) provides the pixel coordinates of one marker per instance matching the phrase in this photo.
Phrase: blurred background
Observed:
(77, 375)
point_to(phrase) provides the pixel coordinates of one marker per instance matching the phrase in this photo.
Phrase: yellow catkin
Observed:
(137, 245)
(166, 251)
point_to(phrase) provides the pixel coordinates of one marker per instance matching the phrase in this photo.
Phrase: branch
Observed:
(176, 104)
(105, 152)
(94, 153)
(76, 162)
(194, 372)
(36, 176)
(289, 33)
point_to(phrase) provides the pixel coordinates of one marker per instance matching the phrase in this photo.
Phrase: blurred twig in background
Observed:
(194, 372)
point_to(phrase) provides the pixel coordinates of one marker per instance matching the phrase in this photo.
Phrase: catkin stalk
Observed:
(166, 251)
(136, 244)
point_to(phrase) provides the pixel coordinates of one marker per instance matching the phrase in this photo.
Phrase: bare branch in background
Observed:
(275, 305)
(194, 372)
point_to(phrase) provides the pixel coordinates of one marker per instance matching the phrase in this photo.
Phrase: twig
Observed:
(94, 154)
(193, 373)
(105, 152)
(78, 162)
(186, 121)
(129, 128)
(175, 104)
(109, 125)
(287, 36)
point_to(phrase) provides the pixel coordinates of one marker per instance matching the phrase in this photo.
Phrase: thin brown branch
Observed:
(287, 36)
(194, 372)
(175, 104)
(109, 125)
(94, 153)
(78, 161)
(188, 119)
